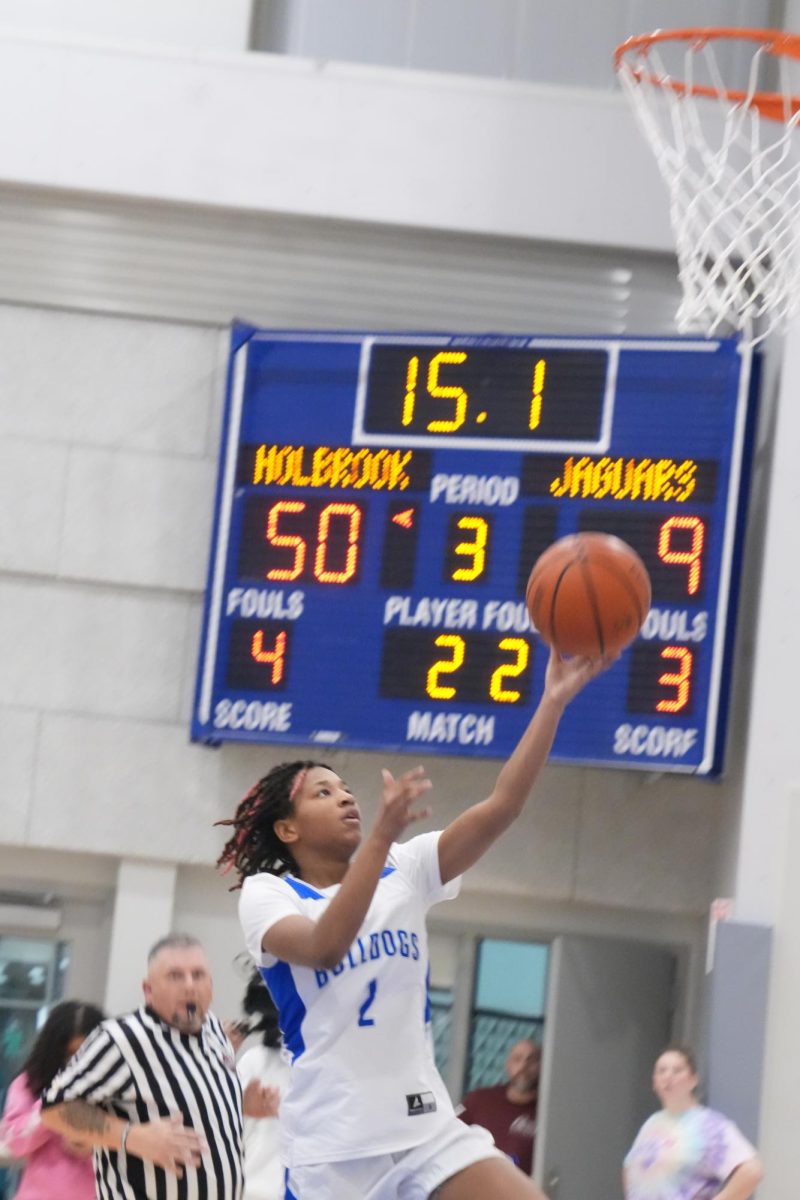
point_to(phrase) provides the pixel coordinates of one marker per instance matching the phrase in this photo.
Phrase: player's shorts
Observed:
(406, 1175)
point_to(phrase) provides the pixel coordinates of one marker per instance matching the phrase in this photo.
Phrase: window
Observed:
(32, 972)
(508, 1004)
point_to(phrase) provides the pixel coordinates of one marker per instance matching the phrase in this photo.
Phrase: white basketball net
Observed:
(734, 182)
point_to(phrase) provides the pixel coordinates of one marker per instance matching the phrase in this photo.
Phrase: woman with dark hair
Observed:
(53, 1167)
(340, 939)
(686, 1151)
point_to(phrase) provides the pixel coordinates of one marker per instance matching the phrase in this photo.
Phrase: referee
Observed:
(156, 1094)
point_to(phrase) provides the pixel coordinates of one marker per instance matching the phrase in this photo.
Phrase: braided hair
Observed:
(254, 845)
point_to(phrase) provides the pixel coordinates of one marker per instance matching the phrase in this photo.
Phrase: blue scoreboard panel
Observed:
(380, 503)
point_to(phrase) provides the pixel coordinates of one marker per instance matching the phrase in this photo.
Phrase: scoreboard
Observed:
(382, 498)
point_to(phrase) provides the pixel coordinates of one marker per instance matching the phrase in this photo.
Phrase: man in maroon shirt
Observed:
(508, 1110)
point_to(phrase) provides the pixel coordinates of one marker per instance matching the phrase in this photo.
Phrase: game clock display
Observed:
(381, 501)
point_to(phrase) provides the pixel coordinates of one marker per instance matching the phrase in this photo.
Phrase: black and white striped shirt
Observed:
(142, 1069)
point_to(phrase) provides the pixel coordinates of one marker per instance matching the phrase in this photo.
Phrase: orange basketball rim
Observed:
(777, 106)
(722, 127)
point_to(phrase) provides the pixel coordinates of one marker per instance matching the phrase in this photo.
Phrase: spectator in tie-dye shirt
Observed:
(686, 1151)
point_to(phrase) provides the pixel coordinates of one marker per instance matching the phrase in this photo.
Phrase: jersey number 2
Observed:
(363, 1019)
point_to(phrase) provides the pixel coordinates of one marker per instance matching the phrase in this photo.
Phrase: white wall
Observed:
(406, 148)
(86, 928)
(191, 24)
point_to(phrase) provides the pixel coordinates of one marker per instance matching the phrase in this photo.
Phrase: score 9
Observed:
(675, 549)
(692, 556)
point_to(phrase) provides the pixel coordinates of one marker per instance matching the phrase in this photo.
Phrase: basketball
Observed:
(588, 595)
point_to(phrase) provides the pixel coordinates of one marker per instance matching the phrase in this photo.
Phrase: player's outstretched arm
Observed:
(467, 838)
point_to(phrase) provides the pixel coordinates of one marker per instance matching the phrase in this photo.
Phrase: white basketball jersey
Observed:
(364, 1081)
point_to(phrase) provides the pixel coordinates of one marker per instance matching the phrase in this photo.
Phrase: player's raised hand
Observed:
(396, 811)
(565, 677)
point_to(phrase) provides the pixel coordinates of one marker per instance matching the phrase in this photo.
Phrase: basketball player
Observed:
(342, 947)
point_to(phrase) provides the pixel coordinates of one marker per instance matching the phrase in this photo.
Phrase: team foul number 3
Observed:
(679, 679)
(661, 679)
